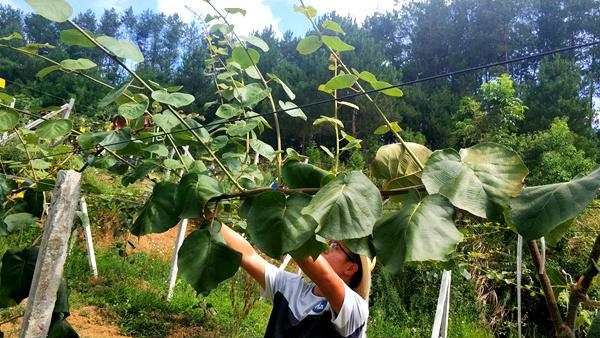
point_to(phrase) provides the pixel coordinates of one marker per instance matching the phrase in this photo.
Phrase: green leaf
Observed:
(12, 36)
(311, 248)
(40, 164)
(139, 172)
(392, 161)
(60, 328)
(7, 98)
(19, 221)
(367, 76)
(193, 193)
(220, 27)
(342, 81)
(198, 167)
(478, 179)
(327, 151)
(132, 110)
(8, 120)
(346, 207)
(241, 128)
(251, 94)
(292, 109)
(252, 72)
(327, 119)
(18, 266)
(556, 234)
(52, 129)
(236, 10)
(45, 71)
(263, 149)
(113, 94)
(309, 45)
(256, 41)
(244, 59)
(176, 100)
(385, 129)
(55, 10)
(335, 43)
(303, 175)
(158, 149)
(122, 48)
(73, 37)
(542, 209)
(79, 64)
(308, 11)
(204, 262)
(362, 246)
(117, 139)
(172, 164)
(167, 120)
(160, 213)
(422, 230)
(333, 26)
(227, 111)
(396, 92)
(276, 225)
(286, 89)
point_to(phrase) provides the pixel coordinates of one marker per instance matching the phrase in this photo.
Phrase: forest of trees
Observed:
(540, 106)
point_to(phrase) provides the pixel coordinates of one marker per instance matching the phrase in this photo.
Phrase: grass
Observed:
(134, 289)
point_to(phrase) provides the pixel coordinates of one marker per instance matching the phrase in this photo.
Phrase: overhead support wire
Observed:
(345, 97)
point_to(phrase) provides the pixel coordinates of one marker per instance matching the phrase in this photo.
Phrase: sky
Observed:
(261, 13)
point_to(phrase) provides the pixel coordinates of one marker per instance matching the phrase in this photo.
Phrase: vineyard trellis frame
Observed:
(426, 213)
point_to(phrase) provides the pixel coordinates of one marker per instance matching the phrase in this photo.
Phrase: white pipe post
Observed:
(440, 323)
(85, 220)
(173, 271)
(52, 255)
(519, 273)
(285, 262)
(68, 108)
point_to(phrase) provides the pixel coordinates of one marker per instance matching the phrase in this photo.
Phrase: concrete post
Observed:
(52, 255)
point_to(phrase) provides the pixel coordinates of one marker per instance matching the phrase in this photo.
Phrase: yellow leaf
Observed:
(82, 129)
(2, 83)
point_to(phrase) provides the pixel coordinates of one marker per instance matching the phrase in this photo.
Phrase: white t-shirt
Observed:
(298, 312)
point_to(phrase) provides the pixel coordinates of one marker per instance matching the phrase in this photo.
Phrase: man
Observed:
(334, 304)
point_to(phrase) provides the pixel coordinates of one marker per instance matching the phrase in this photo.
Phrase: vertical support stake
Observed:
(85, 220)
(173, 271)
(52, 255)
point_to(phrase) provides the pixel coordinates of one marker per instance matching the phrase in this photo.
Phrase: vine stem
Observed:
(362, 90)
(310, 191)
(335, 115)
(27, 153)
(560, 328)
(579, 292)
(266, 86)
(102, 83)
(171, 109)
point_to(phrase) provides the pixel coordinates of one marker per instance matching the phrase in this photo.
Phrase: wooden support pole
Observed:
(52, 255)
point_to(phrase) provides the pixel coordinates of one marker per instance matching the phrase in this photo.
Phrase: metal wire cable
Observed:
(340, 98)
(37, 90)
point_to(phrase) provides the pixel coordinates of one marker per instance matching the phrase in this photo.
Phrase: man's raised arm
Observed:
(251, 260)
